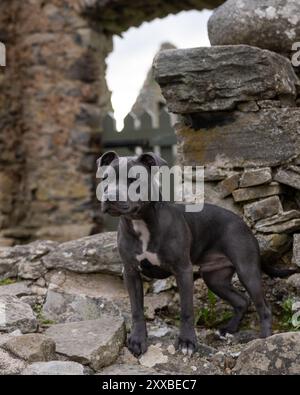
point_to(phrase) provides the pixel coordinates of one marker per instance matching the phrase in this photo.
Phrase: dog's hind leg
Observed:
(245, 257)
(219, 282)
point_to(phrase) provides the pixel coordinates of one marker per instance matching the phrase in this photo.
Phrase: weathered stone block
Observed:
(92, 254)
(278, 354)
(251, 193)
(255, 177)
(31, 347)
(218, 78)
(96, 343)
(15, 314)
(263, 208)
(289, 176)
(296, 249)
(54, 368)
(266, 138)
(227, 186)
(274, 25)
(273, 246)
(286, 222)
(77, 297)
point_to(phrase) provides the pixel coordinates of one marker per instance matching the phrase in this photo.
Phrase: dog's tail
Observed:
(272, 271)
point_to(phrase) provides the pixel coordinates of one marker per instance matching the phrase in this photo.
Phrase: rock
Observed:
(54, 368)
(20, 288)
(276, 355)
(8, 264)
(244, 194)
(228, 140)
(93, 254)
(154, 303)
(213, 196)
(10, 365)
(78, 297)
(31, 347)
(294, 281)
(256, 177)
(96, 343)
(4, 337)
(269, 24)
(273, 246)
(289, 176)
(296, 249)
(218, 78)
(24, 260)
(263, 208)
(284, 222)
(126, 370)
(212, 173)
(153, 356)
(162, 285)
(227, 186)
(15, 314)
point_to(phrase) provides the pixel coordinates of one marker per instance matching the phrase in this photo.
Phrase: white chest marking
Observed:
(142, 230)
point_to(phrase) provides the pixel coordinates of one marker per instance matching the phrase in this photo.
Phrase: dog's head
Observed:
(126, 182)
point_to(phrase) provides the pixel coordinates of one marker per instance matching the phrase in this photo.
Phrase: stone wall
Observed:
(239, 106)
(53, 96)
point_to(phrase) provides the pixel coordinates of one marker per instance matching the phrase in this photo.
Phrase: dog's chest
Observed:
(141, 229)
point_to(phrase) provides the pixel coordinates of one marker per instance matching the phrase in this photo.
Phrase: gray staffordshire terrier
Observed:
(159, 239)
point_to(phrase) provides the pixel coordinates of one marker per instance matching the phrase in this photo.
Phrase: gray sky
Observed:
(133, 53)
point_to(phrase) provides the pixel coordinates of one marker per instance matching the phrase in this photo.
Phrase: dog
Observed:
(159, 239)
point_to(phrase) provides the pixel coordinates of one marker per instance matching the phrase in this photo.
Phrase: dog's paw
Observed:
(186, 346)
(137, 345)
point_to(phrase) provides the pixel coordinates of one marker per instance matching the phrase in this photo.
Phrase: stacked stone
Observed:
(240, 117)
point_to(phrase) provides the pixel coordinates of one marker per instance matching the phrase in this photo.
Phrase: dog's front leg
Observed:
(137, 341)
(187, 341)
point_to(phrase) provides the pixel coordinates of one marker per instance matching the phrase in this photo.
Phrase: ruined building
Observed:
(53, 96)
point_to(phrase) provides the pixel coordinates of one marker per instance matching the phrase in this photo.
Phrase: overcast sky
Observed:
(133, 53)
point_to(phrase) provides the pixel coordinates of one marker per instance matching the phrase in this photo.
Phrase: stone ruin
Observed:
(239, 109)
(240, 117)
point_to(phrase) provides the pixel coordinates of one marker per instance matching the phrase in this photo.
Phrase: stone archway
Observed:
(53, 97)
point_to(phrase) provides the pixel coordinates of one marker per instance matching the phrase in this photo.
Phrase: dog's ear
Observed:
(150, 159)
(107, 158)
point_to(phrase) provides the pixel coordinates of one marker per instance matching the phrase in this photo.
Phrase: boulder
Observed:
(269, 24)
(10, 365)
(296, 249)
(15, 314)
(289, 176)
(54, 368)
(251, 193)
(254, 177)
(76, 297)
(228, 140)
(219, 78)
(31, 347)
(285, 222)
(276, 355)
(92, 254)
(96, 343)
(263, 208)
